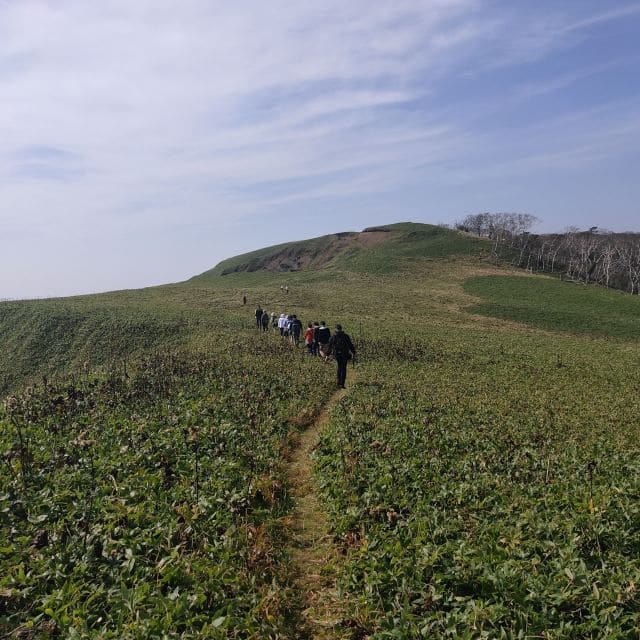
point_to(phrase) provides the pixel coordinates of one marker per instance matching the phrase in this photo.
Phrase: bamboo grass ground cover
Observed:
(488, 492)
(151, 503)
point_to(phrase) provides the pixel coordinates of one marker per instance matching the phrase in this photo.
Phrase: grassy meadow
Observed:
(482, 473)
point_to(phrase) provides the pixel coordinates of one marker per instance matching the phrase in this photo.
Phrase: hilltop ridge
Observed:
(377, 248)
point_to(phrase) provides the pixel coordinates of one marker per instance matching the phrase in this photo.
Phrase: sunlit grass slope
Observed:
(557, 306)
(48, 337)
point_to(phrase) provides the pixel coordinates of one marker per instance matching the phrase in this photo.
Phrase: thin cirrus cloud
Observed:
(135, 130)
(623, 11)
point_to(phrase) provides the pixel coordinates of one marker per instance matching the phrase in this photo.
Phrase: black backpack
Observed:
(341, 345)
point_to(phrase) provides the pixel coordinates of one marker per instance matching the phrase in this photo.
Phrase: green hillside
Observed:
(46, 337)
(479, 478)
(558, 306)
(375, 249)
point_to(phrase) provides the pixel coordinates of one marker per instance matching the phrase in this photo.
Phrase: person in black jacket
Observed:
(314, 349)
(343, 350)
(295, 329)
(323, 337)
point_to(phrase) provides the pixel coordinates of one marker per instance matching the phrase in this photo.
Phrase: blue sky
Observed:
(142, 142)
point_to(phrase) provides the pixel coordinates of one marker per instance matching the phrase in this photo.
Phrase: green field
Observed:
(558, 306)
(481, 474)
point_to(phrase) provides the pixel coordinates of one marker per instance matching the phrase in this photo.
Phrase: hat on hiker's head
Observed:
(338, 327)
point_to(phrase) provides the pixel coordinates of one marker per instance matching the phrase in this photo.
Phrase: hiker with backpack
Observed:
(295, 329)
(264, 320)
(341, 346)
(324, 335)
(314, 346)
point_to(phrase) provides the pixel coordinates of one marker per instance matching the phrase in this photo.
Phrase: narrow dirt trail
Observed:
(315, 557)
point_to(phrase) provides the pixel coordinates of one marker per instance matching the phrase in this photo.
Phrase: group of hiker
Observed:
(317, 337)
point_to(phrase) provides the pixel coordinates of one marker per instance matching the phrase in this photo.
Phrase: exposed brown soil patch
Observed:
(312, 255)
(372, 238)
(298, 258)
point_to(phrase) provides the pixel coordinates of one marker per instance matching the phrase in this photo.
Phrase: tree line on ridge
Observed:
(593, 256)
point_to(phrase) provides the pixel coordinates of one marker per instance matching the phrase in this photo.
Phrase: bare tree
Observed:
(629, 253)
(593, 256)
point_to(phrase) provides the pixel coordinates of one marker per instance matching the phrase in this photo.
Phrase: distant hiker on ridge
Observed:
(343, 350)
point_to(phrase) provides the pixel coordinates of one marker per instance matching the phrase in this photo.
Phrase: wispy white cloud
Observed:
(604, 16)
(121, 120)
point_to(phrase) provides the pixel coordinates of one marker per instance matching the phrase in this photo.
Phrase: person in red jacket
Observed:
(308, 338)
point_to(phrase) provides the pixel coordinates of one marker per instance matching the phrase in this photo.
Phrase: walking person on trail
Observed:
(282, 323)
(265, 321)
(308, 339)
(274, 321)
(324, 335)
(287, 327)
(314, 348)
(295, 329)
(259, 317)
(343, 350)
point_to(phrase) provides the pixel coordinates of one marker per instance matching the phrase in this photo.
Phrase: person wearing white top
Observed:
(282, 323)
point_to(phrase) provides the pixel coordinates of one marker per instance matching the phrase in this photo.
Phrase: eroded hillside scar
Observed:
(314, 556)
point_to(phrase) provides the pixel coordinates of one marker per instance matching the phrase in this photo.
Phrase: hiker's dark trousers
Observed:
(342, 369)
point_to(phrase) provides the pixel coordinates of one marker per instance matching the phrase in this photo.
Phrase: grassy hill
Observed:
(480, 476)
(45, 337)
(379, 249)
